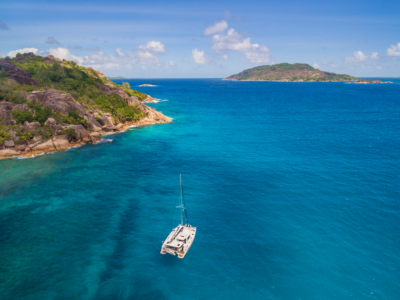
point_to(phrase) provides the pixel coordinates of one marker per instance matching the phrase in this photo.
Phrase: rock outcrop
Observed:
(92, 122)
(5, 113)
(114, 90)
(9, 144)
(61, 144)
(58, 101)
(106, 121)
(21, 107)
(149, 99)
(37, 138)
(50, 122)
(8, 153)
(19, 75)
(152, 114)
(95, 137)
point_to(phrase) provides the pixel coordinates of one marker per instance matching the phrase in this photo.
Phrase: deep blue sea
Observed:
(294, 189)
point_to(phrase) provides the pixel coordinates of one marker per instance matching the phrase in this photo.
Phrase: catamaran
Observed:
(181, 238)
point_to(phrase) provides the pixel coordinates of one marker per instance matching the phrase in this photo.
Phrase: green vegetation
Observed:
(127, 89)
(41, 114)
(289, 72)
(83, 84)
(11, 91)
(27, 136)
(74, 118)
(4, 136)
(116, 105)
(70, 133)
(22, 116)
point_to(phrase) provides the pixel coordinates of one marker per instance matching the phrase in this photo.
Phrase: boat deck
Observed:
(179, 240)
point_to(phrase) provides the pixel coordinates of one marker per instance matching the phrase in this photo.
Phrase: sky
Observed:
(207, 39)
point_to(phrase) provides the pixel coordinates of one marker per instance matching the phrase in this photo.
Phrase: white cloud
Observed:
(146, 52)
(102, 61)
(216, 28)
(233, 41)
(171, 64)
(225, 56)
(146, 57)
(26, 50)
(152, 46)
(199, 57)
(63, 53)
(144, 67)
(121, 54)
(374, 55)
(394, 50)
(359, 56)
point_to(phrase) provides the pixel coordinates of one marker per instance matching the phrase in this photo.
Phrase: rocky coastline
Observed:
(100, 124)
(70, 123)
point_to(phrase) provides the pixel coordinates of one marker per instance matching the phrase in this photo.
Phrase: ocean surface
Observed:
(294, 189)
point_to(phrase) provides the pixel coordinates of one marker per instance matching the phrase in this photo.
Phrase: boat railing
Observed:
(174, 236)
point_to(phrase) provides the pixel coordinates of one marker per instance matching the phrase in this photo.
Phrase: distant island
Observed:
(119, 77)
(49, 104)
(146, 84)
(371, 81)
(289, 72)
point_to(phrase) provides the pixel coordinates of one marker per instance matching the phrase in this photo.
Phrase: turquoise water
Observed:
(293, 188)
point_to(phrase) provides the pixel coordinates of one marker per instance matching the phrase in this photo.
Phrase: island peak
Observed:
(288, 72)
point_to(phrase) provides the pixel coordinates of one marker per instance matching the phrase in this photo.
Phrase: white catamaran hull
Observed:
(179, 241)
(182, 237)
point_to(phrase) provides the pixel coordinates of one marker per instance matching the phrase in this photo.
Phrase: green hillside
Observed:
(288, 72)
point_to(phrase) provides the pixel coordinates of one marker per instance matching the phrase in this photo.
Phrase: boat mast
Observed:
(182, 206)
(180, 178)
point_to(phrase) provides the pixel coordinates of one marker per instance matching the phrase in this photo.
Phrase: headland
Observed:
(48, 104)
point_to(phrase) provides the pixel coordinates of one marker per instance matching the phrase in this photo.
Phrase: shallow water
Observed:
(293, 188)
